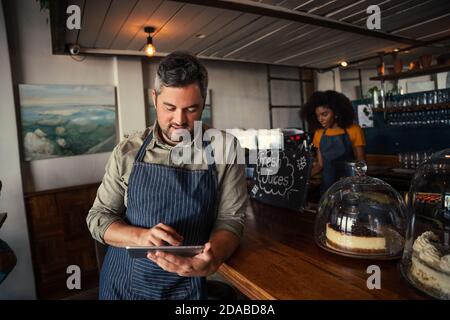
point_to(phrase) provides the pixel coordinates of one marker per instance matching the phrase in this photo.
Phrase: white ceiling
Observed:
(111, 25)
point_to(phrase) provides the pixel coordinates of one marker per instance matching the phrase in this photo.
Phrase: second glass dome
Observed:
(362, 217)
(426, 258)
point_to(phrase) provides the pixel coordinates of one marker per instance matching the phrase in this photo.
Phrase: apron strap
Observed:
(346, 133)
(143, 149)
(348, 142)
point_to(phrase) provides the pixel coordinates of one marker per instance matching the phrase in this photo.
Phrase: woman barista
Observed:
(336, 137)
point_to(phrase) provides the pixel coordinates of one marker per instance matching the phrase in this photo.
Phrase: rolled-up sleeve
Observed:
(232, 197)
(109, 204)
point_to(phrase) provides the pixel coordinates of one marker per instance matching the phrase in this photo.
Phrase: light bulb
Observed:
(150, 50)
(344, 63)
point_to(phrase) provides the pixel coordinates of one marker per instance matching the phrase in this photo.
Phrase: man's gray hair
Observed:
(180, 69)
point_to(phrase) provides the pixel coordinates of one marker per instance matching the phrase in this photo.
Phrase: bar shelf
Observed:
(414, 73)
(421, 107)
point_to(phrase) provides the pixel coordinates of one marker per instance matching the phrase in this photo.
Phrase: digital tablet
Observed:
(185, 251)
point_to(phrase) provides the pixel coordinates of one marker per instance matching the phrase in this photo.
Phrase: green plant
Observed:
(372, 90)
(44, 4)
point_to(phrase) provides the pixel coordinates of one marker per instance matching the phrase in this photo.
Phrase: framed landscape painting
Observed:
(67, 120)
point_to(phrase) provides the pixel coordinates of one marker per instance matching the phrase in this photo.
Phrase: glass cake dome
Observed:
(362, 217)
(426, 258)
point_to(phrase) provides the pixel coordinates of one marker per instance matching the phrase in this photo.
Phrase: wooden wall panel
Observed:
(59, 238)
(45, 220)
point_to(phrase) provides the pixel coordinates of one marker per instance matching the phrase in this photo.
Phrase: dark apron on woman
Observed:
(183, 199)
(335, 150)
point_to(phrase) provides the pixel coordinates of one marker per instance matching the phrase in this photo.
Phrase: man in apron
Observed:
(145, 199)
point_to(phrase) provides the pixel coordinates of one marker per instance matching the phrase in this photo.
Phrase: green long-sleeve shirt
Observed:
(111, 201)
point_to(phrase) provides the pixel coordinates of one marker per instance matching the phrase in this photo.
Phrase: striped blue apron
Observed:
(183, 199)
(335, 150)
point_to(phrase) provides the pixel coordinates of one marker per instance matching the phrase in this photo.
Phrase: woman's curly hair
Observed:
(336, 101)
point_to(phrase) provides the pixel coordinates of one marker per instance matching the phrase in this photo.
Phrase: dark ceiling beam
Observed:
(297, 16)
(424, 44)
(58, 18)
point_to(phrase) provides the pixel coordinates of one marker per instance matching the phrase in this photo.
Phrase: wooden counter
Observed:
(278, 259)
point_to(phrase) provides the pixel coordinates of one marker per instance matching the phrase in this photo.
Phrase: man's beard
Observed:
(176, 135)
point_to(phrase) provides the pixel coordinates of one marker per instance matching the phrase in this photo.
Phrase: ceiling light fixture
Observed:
(344, 64)
(149, 48)
(200, 36)
(396, 50)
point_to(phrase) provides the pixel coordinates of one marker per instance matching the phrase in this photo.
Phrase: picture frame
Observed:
(67, 120)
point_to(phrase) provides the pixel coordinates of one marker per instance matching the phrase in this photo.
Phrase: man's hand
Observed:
(219, 248)
(160, 235)
(201, 265)
(119, 234)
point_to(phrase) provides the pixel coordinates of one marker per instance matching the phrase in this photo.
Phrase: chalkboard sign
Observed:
(281, 177)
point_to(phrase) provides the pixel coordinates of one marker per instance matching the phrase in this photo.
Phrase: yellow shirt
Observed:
(354, 132)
